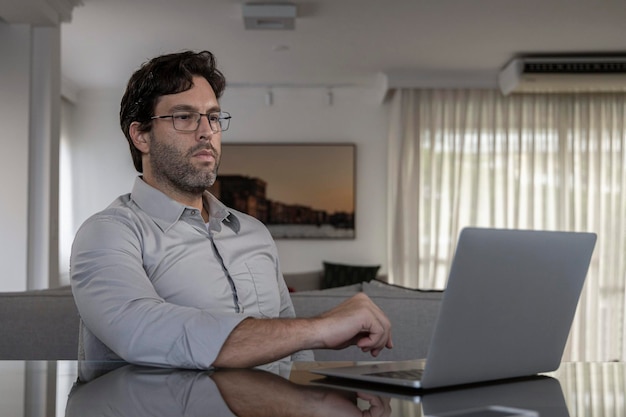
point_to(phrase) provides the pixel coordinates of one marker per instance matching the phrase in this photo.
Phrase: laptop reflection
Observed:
(523, 397)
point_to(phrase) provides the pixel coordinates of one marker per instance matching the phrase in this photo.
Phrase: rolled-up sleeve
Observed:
(119, 305)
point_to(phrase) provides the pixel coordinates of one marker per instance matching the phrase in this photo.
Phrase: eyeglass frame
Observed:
(223, 115)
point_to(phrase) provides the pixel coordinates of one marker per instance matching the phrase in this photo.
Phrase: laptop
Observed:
(506, 312)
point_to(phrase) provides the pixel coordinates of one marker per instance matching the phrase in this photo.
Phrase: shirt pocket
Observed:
(257, 288)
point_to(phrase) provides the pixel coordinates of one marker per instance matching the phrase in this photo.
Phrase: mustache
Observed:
(201, 147)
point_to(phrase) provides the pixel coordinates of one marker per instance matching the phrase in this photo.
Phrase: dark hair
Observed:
(166, 74)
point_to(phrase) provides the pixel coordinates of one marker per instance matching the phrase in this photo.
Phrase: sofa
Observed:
(412, 314)
(39, 325)
(44, 324)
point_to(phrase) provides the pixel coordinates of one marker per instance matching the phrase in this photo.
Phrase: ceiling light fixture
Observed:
(276, 16)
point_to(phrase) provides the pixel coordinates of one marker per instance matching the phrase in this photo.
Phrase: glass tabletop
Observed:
(53, 388)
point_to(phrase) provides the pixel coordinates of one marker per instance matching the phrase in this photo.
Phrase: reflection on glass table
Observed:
(524, 397)
(40, 388)
(140, 391)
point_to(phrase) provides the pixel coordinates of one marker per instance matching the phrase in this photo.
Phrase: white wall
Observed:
(29, 108)
(102, 168)
(15, 42)
(66, 199)
(43, 178)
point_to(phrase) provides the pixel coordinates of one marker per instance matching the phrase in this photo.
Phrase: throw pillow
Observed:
(378, 288)
(339, 275)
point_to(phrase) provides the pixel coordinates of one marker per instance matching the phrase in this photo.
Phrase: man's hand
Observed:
(356, 321)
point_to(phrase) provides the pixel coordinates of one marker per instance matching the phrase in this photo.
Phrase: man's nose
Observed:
(204, 126)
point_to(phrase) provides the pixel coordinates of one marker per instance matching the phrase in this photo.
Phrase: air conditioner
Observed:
(563, 74)
(279, 16)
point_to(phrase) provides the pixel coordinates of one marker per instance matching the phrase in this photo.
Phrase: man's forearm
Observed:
(258, 341)
(356, 321)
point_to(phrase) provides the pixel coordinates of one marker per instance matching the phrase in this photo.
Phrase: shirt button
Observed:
(194, 212)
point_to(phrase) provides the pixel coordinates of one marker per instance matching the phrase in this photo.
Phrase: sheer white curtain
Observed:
(475, 158)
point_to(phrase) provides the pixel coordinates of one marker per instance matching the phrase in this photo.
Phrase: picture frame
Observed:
(298, 190)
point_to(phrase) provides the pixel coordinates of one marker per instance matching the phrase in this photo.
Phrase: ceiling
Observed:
(335, 42)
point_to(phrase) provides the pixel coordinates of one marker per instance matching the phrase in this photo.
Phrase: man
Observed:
(169, 276)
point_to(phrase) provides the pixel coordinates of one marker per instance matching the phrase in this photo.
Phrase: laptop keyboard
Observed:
(415, 374)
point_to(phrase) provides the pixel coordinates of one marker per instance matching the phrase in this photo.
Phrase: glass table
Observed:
(53, 388)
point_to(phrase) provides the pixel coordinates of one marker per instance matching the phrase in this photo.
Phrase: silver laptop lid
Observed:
(509, 304)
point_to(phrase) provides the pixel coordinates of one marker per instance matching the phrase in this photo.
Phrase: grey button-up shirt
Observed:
(155, 285)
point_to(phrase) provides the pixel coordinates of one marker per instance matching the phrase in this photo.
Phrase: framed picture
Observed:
(299, 191)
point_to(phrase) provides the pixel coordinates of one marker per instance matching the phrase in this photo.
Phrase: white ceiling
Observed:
(336, 42)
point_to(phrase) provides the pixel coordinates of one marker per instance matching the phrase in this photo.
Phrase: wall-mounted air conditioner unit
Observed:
(562, 74)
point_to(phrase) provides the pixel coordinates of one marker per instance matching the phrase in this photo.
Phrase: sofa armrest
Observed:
(39, 325)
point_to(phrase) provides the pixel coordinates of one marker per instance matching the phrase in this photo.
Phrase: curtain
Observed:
(476, 158)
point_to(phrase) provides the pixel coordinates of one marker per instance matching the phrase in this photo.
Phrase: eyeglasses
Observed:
(189, 121)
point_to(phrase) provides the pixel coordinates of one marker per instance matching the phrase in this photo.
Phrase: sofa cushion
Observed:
(339, 275)
(39, 325)
(412, 314)
(314, 302)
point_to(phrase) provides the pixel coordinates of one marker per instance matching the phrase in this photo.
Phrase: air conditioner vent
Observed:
(574, 67)
(564, 74)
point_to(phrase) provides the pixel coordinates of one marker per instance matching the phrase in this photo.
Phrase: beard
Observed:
(172, 166)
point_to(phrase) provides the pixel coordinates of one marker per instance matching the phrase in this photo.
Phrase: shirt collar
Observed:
(166, 211)
(218, 211)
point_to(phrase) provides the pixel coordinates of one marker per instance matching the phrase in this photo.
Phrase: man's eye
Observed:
(214, 117)
(182, 116)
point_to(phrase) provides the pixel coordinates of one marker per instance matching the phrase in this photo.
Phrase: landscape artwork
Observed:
(299, 191)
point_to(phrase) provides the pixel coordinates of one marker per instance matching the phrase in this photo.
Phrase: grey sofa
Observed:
(43, 324)
(38, 325)
(412, 313)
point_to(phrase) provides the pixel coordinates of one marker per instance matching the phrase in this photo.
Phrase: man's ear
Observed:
(140, 138)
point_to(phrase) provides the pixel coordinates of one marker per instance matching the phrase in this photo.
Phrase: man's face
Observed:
(186, 161)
